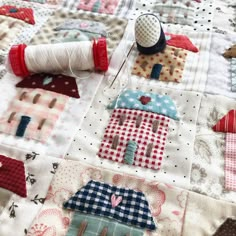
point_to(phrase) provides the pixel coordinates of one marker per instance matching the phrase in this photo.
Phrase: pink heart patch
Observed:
(115, 201)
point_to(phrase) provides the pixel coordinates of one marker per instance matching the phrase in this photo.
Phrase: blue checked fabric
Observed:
(95, 198)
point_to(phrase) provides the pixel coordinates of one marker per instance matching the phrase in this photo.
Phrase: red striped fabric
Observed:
(227, 124)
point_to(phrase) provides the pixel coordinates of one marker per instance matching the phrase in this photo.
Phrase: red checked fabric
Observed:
(25, 14)
(230, 162)
(12, 175)
(227, 124)
(142, 135)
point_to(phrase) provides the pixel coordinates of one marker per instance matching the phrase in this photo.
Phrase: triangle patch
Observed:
(12, 175)
(24, 14)
(227, 124)
(62, 84)
(180, 41)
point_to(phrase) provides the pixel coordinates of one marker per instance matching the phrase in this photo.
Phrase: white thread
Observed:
(71, 70)
(59, 57)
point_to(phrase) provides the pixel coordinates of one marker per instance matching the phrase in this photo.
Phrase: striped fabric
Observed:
(96, 224)
(178, 12)
(227, 124)
(34, 103)
(230, 162)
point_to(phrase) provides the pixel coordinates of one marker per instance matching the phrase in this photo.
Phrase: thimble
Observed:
(149, 34)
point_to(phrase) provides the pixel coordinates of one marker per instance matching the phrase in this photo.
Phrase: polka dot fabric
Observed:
(25, 14)
(12, 175)
(143, 135)
(168, 11)
(171, 58)
(228, 228)
(147, 30)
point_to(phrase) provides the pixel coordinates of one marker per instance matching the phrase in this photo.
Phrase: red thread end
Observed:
(100, 54)
(17, 60)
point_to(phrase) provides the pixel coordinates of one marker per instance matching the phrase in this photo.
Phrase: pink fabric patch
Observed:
(230, 162)
(101, 6)
(37, 112)
(143, 135)
(181, 41)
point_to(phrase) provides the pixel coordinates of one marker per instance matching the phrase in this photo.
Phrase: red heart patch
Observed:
(144, 100)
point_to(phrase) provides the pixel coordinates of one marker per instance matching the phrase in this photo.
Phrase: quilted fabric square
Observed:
(95, 198)
(101, 6)
(41, 108)
(172, 61)
(12, 175)
(147, 129)
(115, 27)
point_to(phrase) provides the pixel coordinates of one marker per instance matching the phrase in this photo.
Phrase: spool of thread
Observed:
(53, 58)
(149, 34)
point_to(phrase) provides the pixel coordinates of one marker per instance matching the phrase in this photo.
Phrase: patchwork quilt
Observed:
(147, 147)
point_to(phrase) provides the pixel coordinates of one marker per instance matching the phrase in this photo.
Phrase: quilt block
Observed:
(114, 27)
(170, 152)
(213, 163)
(33, 114)
(134, 140)
(173, 209)
(172, 61)
(24, 182)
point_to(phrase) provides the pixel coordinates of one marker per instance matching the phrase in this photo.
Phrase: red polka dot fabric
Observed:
(25, 14)
(12, 175)
(145, 135)
(172, 61)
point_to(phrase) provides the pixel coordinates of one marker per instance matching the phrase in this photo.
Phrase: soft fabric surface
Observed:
(154, 134)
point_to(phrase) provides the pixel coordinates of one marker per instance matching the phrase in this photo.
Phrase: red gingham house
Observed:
(137, 130)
